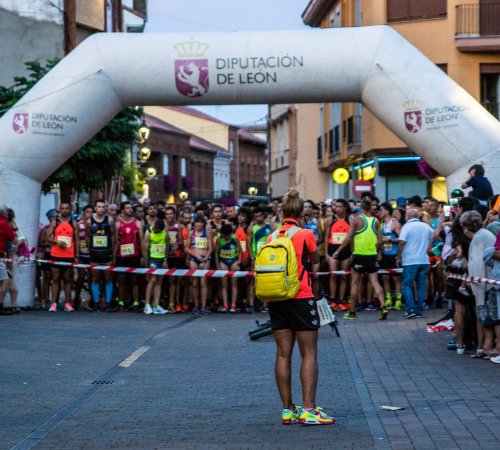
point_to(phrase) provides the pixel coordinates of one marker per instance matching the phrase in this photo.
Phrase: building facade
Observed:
(293, 132)
(184, 165)
(460, 37)
(36, 30)
(241, 161)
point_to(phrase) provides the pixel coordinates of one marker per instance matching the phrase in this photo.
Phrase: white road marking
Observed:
(127, 362)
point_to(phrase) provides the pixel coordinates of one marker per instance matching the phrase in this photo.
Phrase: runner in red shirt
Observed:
(6, 235)
(298, 319)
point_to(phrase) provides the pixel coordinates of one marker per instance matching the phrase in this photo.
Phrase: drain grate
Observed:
(103, 382)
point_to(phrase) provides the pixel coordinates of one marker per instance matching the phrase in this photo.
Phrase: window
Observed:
(183, 167)
(231, 146)
(490, 87)
(405, 10)
(335, 17)
(165, 164)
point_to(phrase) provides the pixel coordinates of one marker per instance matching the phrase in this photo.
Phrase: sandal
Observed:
(491, 355)
(479, 353)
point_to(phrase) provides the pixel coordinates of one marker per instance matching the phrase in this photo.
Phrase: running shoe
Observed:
(389, 304)
(159, 310)
(425, 307)
(360, 306)
(349, 315)
(399, 305)
(383, 313)
(315, 416)
(250, 309)
(410, 315)
(224, 308)
(178, 309)
(53, 307)
(108, 308)
(289, 416)
(460, 350)
(147, 309)
(334, 306)
(195, 310)
(204, 311)
(185, 308)
(171, 308)
(68, 308)
(371, 307)
(96, 308)
(233, 308)
(265, 309)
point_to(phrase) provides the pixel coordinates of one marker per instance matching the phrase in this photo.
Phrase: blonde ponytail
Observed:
(292, 204)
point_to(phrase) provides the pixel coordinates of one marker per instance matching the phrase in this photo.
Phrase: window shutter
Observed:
(427, 8)
(397, 10)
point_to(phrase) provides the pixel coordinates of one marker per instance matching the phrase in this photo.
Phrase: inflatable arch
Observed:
(427, 110)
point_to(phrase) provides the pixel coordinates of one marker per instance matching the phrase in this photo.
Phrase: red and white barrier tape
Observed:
(189, 272)
(473, 279)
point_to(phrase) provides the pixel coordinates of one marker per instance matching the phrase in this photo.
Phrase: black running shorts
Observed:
(344, 254)
(388, 262)
(101, 256)
(131, 261)
(297, 314)
(365, 264)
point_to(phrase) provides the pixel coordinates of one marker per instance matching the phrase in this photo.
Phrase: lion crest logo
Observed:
(191, 77)
(20, 122)
(413, 115)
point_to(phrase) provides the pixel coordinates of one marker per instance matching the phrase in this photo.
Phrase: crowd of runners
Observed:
(360, 238)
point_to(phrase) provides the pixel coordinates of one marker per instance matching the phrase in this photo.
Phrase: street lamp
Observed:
(183, 195)
(144, 153)
(151, 171)
(253, 190)
(143, 132)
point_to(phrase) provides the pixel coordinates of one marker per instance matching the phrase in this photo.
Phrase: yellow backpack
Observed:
(276, 269)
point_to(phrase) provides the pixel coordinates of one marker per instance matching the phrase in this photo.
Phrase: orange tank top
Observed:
(242, 236)
(64, 232)
(338, 232)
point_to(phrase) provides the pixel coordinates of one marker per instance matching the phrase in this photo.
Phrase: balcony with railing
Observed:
(478, 27)
(352, 134)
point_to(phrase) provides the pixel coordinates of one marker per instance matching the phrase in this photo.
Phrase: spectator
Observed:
(412, 256)
(481, 186)
(6, 234)
(486, 299)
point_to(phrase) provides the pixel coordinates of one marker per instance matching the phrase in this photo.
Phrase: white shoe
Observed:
(148, 309)
(68, 308)
(495, 360)
(159, 310)
(53, 307)
(460, 350)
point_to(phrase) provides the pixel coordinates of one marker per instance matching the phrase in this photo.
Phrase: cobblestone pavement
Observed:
(127, 381)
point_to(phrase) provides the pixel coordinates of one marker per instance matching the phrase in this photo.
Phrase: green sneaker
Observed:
(349, 315)
(388, 303)
(382, 315)
(398, 306)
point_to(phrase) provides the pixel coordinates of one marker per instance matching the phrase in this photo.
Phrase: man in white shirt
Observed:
(412, 256)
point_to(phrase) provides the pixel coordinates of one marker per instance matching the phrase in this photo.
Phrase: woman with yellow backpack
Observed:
(283, 279)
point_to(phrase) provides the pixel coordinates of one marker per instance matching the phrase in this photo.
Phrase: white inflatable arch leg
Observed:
(434, 116)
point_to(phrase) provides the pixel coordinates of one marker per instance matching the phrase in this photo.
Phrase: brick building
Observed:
(189, 162)
(247, 151)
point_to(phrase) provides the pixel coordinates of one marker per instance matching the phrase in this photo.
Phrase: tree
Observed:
(100, 159)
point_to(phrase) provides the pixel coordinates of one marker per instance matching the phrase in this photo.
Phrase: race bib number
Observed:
(127, 249)
(201, 242)
(388, 247)
(172, 236)
(338, 238)
(158, 250)
(101, 241)
(260, 245)
(83, 245)
(228, 254)
(65, 239)
(243, 246)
